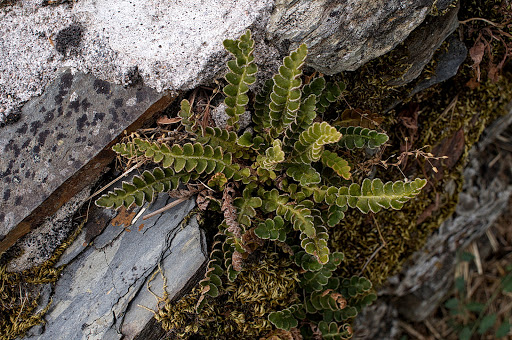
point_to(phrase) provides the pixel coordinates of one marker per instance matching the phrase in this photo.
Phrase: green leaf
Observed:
(242, 74)
(359, 137)
(311, 142)
(503, 329)
(338, 164)
(142, 188)
(287, 318)
(303, 173)
(460, 284)
(286, 94)
(487, 322)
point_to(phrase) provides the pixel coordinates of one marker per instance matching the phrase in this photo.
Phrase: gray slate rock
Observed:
(59, 133)
(99, 290)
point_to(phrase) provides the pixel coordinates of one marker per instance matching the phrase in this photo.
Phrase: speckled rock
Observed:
(103, 284)
(58, 139)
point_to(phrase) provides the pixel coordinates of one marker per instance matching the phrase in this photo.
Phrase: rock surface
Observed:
(100, 290)
(422, 284)
(61, 132)
(177, 45)
(344, 35)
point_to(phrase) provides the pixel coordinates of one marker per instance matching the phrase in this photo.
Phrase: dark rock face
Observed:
(58, 134)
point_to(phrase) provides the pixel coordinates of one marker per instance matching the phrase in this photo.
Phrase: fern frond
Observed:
(304, 120)
(272, 229)
(261, 116)
(186, 117)
(305, 174)
(331, 331)
(316, 87)
(325, 301)
(246, 207)
(273, 156)
(335, 214)
(372, 195)
(316, 244)
(211, 283)
(127, 150)
(317, 280)
(299, 215)
(142, 188)
(189, 157)
(330, 94)
(286, 93)
(243, 73)
(335, 162)
(287, 318)
(311, 142)
(359, 137)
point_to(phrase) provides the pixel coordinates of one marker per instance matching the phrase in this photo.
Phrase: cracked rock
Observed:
(98, 294)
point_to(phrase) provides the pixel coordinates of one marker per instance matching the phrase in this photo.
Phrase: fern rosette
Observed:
(269, 185)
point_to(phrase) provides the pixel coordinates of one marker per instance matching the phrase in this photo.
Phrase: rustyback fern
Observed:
(269, 185)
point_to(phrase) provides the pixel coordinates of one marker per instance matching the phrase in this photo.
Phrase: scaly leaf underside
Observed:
(243, 73)
(335, 162)
(286, 93)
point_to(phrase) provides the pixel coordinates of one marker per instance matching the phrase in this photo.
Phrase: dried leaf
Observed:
(123, 217)
(477, 53)
(164, 120)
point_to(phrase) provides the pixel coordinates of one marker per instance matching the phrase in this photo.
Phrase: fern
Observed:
(272, 229)
(309, 147)
(359, 137)
(243, 73)
(143, 188)
(270, 185)
(287, 318)
(331, 331)
(286, 93)
(338, 164)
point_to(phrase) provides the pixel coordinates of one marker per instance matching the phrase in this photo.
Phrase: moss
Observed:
(19, 293)
(240, 312)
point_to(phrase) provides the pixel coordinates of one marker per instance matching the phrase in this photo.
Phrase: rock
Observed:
(60, 138)
(99, 291)
(447, 66)
(172, 45)
(177, 45)
(424, 41)
(421, 285)
(342, 36)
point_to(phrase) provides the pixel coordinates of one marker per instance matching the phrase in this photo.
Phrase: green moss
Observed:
(241, 310)
(19, 293)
